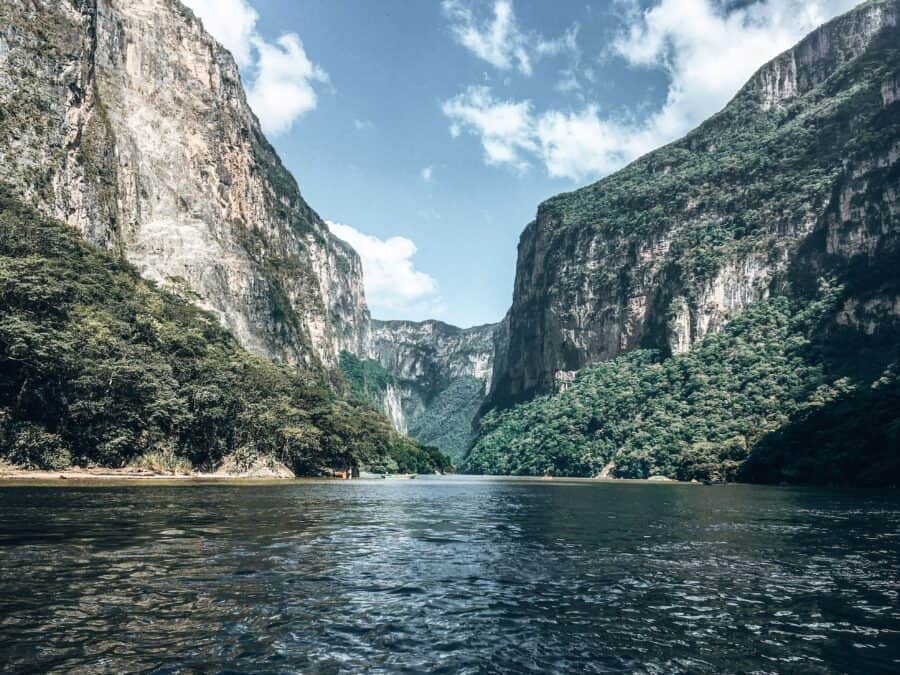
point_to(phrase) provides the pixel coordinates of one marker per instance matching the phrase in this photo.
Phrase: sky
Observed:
(426, 132)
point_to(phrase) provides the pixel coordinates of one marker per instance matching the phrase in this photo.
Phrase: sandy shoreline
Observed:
(11, 474)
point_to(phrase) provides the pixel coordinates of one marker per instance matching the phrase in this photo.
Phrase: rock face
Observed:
(796, 178)
(127, 120)
(442, 374)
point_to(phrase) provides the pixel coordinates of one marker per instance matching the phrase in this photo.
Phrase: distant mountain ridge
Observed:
(442, 374)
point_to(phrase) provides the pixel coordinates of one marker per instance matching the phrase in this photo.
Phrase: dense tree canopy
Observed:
(99, 367)
(761, 389)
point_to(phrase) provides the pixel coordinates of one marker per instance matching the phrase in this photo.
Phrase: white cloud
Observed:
(709, 54)
(428, 174)
(580, 144)
(231, 22)
(573, 144)
(499, 40)
(363, 125)
(392, 282)
(506, 128)
(283, 91)
(568, 42)
(706, 53)
(279, 75)
(568, 81)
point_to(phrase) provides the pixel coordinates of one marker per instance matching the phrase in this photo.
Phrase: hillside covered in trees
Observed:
(726, 306)
(767, 399)
(99, 367)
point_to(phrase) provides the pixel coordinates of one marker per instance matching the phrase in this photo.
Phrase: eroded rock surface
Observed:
(127, 120)
(794, 180)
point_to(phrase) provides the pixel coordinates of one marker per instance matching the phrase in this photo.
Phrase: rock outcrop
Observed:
(795, 179)
(125, 119)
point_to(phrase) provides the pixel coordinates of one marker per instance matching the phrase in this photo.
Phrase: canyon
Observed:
(127, 121)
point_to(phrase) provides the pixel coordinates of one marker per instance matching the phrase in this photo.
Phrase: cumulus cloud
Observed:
(707, 54)
(570, 144)
(577, 145)
(279, 75)
(392, 282)
(499, 40)
(506, 128)
(282, 91)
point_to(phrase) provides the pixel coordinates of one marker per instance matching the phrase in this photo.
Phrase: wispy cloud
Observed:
(393, 284)
(427, 174)
(499, 40)
(279, 75)
(706, 53)
(362, 125)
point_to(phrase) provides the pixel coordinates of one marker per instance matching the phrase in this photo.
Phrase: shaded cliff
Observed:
(796, 177)
(125, 119)
(439, 375)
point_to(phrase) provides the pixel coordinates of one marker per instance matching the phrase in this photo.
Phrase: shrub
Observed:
(34, 448)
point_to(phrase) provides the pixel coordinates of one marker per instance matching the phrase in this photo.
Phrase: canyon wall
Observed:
(795, 179)
(441, 375)
(125, 119)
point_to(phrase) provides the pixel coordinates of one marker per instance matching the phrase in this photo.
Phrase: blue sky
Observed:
(428, 132)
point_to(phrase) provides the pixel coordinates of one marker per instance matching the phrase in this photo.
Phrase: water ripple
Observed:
(448, 576)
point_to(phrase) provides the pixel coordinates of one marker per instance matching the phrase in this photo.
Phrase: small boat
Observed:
(400, 476)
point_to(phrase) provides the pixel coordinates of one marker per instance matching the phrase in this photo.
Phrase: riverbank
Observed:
(9, 473)
(131, 474)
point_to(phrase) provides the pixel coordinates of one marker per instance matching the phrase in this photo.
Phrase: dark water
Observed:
(448, 576)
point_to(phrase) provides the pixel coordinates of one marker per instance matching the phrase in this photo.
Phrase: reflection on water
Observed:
(448, 575)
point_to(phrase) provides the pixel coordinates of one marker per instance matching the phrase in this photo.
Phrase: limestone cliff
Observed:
(441, 374)
(125, 119)
(795, 179)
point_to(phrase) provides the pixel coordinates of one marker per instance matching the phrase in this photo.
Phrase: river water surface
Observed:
(448, 575)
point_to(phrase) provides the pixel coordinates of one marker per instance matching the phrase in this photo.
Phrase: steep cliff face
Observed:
(125, 119)
(795, 178)
(441, 374)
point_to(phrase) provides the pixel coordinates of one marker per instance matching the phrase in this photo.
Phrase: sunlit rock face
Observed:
(442, 373)
(127, 120)
(794, 180)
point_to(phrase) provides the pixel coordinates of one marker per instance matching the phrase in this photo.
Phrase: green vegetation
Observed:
(447, 421)
(842, 435)
(368, 381)
(760, 388)
(99, 367)
(409, 456)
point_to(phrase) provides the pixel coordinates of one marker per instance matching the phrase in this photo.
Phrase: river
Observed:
(448, 575)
